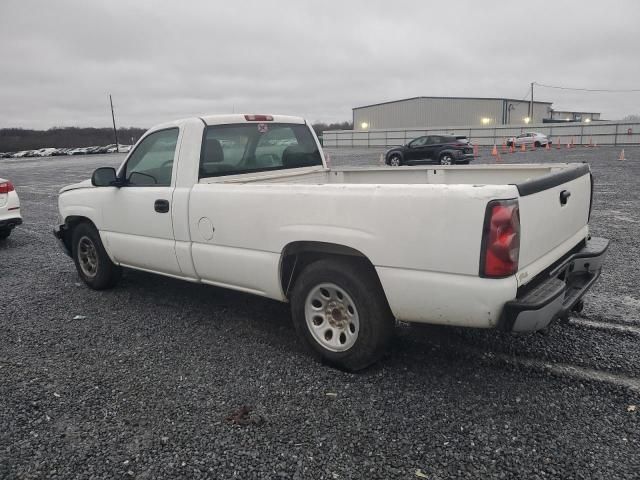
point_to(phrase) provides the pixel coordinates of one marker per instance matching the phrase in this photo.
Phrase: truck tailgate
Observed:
(554, 217)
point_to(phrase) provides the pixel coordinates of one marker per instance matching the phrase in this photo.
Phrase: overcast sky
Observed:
(164, 60)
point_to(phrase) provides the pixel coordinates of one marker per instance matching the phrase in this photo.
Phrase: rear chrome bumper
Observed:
(555, 295)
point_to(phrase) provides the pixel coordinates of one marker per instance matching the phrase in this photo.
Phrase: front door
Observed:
(138, 229)
(416, 150)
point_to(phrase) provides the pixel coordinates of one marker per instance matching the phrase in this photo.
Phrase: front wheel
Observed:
(4, 233)
(94, 266)
(395, 160)
(340, 312)
(537, 144)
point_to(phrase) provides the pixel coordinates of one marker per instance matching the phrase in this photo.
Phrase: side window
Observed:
(433, 140)
(151, 163)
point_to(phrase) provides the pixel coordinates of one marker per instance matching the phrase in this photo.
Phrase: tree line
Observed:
(18, 139)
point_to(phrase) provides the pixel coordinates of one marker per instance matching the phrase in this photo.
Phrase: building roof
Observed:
(451, 98)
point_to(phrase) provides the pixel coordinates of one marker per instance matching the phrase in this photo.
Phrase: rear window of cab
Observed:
(255, 147)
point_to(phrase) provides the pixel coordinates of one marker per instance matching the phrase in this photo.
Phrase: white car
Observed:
(351, 249)
(45, 152)
(120, 149)
(529, 138)
(9, 209)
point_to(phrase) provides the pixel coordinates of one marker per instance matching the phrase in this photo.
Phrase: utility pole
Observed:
(531, 105)
(115, 132)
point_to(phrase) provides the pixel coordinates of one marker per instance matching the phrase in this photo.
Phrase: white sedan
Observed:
(529, 138)
(9, 208)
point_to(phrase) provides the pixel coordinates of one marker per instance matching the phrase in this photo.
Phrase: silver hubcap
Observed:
(332, 317)
(394, 161)
(88, 257)
(446, 160)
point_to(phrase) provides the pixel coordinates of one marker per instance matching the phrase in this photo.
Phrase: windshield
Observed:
(256, 147)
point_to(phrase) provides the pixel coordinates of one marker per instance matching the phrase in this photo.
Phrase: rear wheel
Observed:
(446, 159)
(340, 312)
(395, 160)
(4, 233)
(94, 266)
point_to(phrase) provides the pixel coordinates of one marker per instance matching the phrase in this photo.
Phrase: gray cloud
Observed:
(162, 60)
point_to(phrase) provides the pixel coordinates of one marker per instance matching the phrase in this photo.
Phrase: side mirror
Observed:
(104, 177)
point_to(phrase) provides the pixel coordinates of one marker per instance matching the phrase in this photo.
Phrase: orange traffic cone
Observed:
(498, 158)
(621, 155)
(512, 149)
(559, 144)
(504, 146)
(523, 148)
(547, 146)
(476, 151)
(494, 152)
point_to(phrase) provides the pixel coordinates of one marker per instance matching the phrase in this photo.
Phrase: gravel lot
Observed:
(140, 381)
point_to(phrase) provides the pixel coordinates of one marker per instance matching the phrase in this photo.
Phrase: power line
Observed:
(607, 90)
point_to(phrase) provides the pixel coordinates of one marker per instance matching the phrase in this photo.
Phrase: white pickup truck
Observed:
(248, 202)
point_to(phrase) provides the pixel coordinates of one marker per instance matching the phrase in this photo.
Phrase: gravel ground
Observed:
(159, 378)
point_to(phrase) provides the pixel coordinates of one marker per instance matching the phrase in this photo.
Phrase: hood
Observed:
(84, 184)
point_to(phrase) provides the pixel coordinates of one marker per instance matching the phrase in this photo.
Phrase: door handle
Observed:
(564, 196)
(161, 206)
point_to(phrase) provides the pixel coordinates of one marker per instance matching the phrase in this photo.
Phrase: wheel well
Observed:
(70, 223)
(297, 255)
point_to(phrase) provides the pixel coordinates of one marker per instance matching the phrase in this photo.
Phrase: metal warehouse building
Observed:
(448, 111)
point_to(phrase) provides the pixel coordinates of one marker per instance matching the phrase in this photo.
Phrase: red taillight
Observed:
(6, 187)
(258, 118)
(500, 239)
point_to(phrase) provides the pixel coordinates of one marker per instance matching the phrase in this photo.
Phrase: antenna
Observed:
(115, 132)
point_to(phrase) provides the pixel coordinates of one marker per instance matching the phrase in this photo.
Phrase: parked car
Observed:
(120, 149)
(59, 151)
(350, 249)
(529, 138)
(9, 208)
(78, 151)
(105, 149)
(45, 152)
(441, 149)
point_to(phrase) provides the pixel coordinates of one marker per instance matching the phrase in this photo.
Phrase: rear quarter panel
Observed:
(416, 229)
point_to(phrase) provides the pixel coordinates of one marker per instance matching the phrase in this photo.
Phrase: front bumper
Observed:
(558, 292)
(10, 223)
(59, 233)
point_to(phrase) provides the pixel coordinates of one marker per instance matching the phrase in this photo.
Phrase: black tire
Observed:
(447, 159)
(106, 274)
(396, 156)
(4, 233)
(537, 144)
(375, 320)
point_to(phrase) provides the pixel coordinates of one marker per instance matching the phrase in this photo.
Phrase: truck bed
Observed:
(442, 175)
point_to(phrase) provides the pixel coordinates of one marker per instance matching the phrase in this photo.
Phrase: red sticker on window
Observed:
(263, 128)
